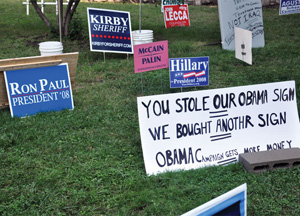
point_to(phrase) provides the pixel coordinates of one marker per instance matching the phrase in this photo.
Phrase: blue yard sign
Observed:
(233, 202)
(109, 31)
(35, 90)
(289, 7)
(189, 72)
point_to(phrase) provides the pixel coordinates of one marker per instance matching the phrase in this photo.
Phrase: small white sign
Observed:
(243, 45)
(191, 130)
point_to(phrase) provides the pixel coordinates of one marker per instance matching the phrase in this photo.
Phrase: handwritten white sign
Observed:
(195, 129)
(246, 14)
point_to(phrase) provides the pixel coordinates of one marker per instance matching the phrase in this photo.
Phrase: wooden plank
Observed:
(70, 58)
(30, 65)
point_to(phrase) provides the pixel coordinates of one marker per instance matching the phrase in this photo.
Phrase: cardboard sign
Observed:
(151, 56)
(189, 72)
(35, 90)
(243, 45)
(109, 30)
(190, 130)
(289, 7)
(170, 2)
(176, 15)
(233, 202)
(246, 14)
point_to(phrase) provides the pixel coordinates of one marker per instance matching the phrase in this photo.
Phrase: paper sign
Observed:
(176, 15)
(189, 72)
(243, 45)
(190, 130)
(289, 7)
(109, 30)
(35, 90)
(151, 56)
(233, 202)
(170, 2)
(245, 14)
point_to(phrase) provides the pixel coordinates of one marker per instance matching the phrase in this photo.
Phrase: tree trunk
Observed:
(40, 13)
(72, 5)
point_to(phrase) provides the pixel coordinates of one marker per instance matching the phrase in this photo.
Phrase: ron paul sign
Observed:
(109, 31)
(35, 90)
(176, 15)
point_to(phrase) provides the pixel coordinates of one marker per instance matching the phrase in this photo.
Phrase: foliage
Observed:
(89, 161)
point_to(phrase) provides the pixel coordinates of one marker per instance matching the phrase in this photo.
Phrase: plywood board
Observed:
(35, 61)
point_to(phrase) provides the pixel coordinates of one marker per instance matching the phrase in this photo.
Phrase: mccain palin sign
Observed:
(109, 30)
(35, 90)
(189, 72)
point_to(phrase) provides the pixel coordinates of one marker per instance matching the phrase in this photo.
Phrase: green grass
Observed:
(89, 161)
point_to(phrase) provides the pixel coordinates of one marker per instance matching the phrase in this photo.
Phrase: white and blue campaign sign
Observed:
(35, 90)
(233, 202)
(109, 30)
(289, 7)
(189, 72)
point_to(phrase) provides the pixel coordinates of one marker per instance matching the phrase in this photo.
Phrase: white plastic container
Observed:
(142, 37)
(51, 48)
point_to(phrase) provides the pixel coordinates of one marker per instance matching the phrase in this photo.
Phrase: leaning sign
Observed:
(233, 202)
(289, 7)
(176, 15)
(246, 14)
(196, 129)
(35, 90)
(109, 31)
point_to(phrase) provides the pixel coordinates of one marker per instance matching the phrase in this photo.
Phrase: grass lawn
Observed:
(89, 161)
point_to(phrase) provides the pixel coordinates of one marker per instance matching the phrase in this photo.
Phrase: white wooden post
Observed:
(27, 8)
(42, 5)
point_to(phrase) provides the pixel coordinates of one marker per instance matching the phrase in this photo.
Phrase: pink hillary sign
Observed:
(151, 56)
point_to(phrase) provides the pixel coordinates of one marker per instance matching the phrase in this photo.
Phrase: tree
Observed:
(66, 19)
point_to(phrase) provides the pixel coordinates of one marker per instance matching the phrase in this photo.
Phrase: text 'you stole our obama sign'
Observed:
(35, 90)
(176, 15)
(109, 31)
(195, 129)
(189, 72)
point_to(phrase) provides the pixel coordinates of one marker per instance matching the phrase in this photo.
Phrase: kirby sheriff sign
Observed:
(109, 31)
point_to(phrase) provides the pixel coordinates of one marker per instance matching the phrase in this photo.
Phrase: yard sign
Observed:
(170, 2)
(245, 14)
(176, 15)
(190, 130)
(109, 31)
(35, 90)
(289, 7)
(233, 202)
(189, 72)
(151, 56)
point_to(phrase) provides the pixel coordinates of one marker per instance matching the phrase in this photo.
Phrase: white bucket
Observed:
(142, 37)
(51, 48)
